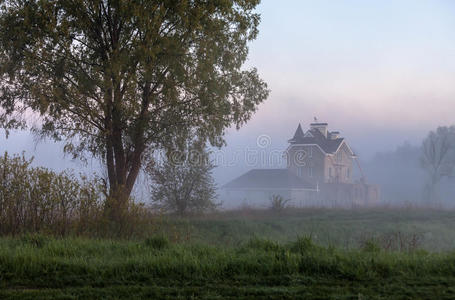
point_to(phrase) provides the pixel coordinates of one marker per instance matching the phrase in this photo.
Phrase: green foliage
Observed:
(120, 79)
(183, 182)
(34, 199)
(38, 200)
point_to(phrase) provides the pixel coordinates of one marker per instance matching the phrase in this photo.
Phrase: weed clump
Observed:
(302, 245)
(278, 203)
(159, 242)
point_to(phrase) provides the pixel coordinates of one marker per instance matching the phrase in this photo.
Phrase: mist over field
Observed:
(244, 149)
(396, 167)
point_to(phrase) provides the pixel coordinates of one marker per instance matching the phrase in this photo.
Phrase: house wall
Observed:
(344, 195)
(232, 198)
(373, 195)
(349, 194)
(305, 199)
(339, 166)
(311, 166)
(324, 168)
(237, 198)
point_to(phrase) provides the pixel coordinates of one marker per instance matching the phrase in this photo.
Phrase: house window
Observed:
(339, 156)
(310, 171)
(348, 173)
(299, 172)
(310, 152)
(330, 172)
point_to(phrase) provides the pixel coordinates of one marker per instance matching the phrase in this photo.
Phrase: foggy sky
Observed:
(381, 72)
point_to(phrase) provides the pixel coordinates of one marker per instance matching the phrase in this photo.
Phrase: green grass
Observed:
(82, 268)
(267, 256)
(433, 229)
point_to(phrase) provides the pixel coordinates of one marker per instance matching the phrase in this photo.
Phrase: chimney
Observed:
(334, 135)
(322, 127)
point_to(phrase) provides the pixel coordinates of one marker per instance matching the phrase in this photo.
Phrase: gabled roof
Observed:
(268, 179)
(315, 137)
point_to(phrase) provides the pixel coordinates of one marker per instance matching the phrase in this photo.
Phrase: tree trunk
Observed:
(123, 162)
(123, 171)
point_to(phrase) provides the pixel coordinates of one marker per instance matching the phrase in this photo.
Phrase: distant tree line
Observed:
(417, 174)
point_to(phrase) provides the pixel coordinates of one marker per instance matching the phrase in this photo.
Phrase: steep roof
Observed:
(268, 179)
(298, 133)
(328, 145)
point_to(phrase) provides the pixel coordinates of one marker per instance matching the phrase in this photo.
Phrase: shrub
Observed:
(36, 199)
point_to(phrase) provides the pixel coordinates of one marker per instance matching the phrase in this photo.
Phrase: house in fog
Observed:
(319, 172)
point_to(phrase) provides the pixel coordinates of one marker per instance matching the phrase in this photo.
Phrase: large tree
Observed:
(118, 78)
(438, 158)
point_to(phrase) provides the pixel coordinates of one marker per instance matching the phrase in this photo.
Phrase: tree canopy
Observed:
(118, 79)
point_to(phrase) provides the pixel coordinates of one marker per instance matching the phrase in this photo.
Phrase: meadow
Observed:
(392, 228)
(248, 254)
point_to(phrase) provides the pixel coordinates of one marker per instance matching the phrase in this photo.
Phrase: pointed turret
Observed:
(298, 134)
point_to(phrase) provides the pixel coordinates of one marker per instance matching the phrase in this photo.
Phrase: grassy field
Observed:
(308, 254)
(432, 230)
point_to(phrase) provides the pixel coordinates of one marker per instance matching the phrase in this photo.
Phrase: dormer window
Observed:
(310, 152)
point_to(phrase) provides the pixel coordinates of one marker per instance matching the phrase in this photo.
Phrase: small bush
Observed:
(278, 203)
(157, 242)
(303, 245)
